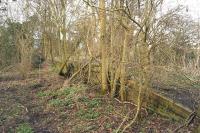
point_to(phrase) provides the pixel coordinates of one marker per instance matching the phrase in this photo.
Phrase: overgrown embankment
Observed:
(39, 103)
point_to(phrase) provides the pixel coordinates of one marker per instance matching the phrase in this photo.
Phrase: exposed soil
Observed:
(19, 104)
(35, 100)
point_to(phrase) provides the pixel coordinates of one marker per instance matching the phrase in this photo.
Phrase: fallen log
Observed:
(158, 103)
(157, 100)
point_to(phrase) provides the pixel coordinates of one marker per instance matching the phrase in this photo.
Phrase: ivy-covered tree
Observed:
(8, 48)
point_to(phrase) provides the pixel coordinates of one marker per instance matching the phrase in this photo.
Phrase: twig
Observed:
(125, 102)
(187, 122)
(137, 112)
(79, 70)
(124, 120)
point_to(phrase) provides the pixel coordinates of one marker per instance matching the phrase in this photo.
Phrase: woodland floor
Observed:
(39, 104)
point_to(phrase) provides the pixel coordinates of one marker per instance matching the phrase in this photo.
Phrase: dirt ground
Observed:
(19, 104)
(39, 104)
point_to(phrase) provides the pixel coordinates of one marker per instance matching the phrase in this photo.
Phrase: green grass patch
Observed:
(65, 97)
(56, 102)
(90, 103)
(71, 91)
(94, 103)
(84, 99)
(108, 125)
(89, 114)
(68, 92)
(60, 102)
(24, 128)
(109, 109)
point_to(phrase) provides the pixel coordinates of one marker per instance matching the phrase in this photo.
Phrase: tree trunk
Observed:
(102, 26)
(123, 64)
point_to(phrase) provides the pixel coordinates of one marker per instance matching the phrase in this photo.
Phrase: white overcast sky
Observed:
(192, 5)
